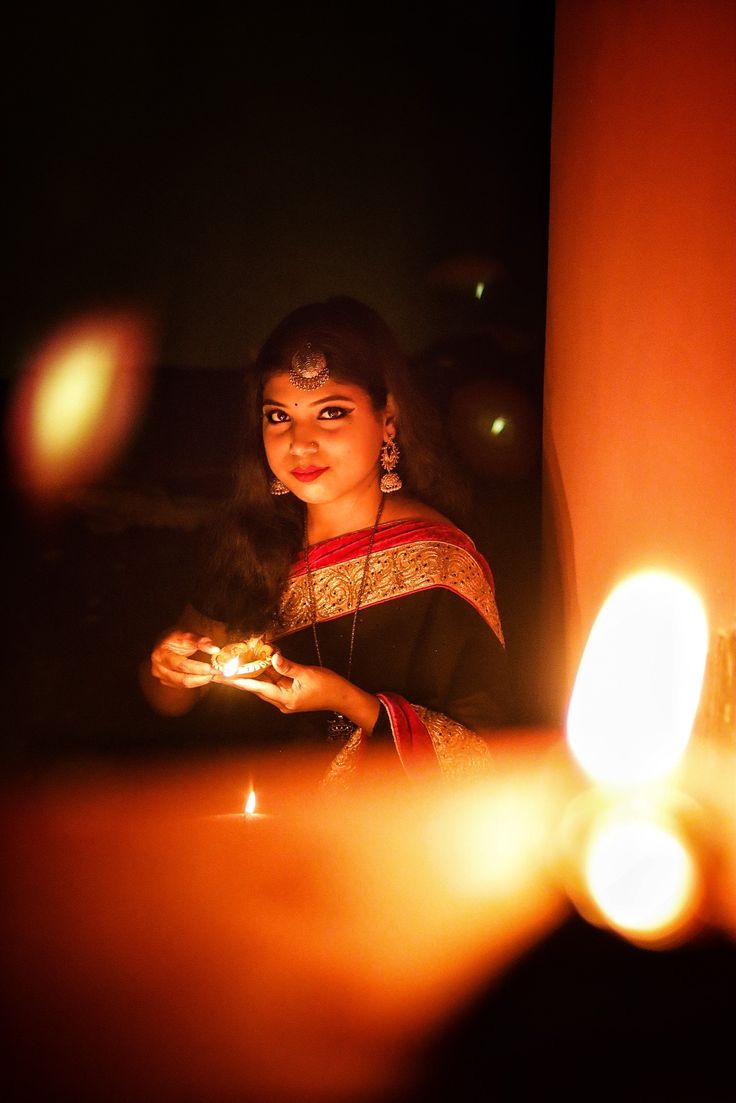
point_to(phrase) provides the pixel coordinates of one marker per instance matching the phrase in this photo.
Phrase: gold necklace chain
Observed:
(339, 726)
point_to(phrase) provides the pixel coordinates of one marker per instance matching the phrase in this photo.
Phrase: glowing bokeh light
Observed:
(640, 874)
(71, 399)
(494, 427)
(479, 289)
(639, 681)
(76, 403)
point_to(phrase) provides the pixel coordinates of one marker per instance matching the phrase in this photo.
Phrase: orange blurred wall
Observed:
(640, 375)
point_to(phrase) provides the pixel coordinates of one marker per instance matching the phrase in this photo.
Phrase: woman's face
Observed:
(324, 444)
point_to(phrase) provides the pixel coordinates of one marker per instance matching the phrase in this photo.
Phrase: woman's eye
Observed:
(331, 412)
(275, 417)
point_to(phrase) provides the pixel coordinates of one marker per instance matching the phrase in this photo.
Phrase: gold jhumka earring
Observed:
(277, 487)
(390, 480)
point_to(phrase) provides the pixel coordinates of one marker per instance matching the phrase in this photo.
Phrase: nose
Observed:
(301, 445)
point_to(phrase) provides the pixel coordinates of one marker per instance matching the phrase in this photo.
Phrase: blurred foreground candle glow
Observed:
(149, 945)
(629, 722)
(638, 685)
(76, 403)
(641, 875)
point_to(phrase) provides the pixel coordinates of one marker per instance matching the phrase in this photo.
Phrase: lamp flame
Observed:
(639, 681)
(250, 803)
(231, 667)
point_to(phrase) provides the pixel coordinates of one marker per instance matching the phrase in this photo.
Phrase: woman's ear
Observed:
(391, 414)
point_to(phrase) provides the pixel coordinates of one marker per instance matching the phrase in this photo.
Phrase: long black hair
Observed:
(257, 535)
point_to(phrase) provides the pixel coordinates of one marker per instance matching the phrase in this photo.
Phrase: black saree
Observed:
(428, 644)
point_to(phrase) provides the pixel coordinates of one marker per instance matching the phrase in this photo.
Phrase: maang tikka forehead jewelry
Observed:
(308, 368)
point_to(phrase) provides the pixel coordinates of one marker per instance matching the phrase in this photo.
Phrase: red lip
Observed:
(307, 474)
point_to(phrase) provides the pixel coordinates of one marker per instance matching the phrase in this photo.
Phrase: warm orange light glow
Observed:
(317, 948)
(76, 403)
(231, 667)
(250, 803)
(638, 684)
(485, 848)
(641, 875)
(71, 398)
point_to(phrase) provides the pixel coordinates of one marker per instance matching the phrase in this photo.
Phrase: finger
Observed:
(267, 675)
(267, 691)
(186, 643)
(165, 660)
(194, 666)
(286, 666)
(182, 681)
(181, 643)
(192, 681)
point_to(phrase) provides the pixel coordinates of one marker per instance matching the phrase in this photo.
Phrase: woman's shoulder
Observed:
(412, 509)
(419, 521)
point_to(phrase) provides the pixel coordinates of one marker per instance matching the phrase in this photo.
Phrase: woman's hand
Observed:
(171, 663)
(292, 687)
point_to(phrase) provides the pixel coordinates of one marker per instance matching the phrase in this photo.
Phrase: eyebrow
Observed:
(317, 402)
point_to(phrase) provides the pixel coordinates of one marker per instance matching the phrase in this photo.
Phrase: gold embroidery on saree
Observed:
(460, 752)
(392, 573)
(344, 765)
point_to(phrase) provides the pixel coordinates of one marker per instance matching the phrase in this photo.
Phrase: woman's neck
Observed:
(326, 522)
(336, 518)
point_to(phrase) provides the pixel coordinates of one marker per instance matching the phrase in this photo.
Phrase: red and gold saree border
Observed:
(408, 557)
(427, 743)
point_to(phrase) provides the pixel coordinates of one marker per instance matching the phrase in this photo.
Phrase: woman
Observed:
(338, 551)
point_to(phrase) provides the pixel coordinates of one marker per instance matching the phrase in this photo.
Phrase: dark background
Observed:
(215, 173)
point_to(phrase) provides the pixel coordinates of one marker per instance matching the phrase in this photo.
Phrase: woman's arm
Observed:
(171, 680)
(452, 695)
